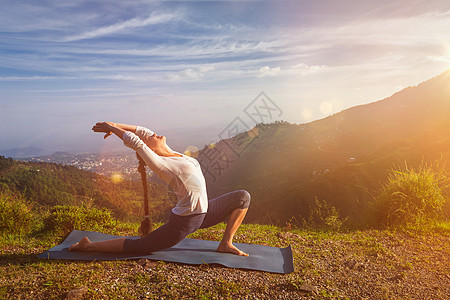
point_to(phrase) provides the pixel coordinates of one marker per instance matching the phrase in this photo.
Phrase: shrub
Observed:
(323, 216)
(15, 214)
(411, 196)
(62, 219)
(5, 162)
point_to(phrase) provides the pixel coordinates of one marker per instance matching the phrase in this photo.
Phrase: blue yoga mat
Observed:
(188, 251)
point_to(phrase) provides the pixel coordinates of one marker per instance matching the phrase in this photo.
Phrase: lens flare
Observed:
(116, 178)
(191, 151)
(306, 114)
(326, 107)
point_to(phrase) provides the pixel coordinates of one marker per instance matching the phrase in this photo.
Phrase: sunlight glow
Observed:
(191, 151)
(326, 107)
(306, 114)
(116, 178)
(253, 132)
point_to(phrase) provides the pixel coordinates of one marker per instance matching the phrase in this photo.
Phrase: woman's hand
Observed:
(106, 127)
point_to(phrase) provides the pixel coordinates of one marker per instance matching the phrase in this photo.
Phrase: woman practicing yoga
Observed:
(193, 210)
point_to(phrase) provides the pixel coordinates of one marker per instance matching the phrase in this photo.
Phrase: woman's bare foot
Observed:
(230, 248)
(82, 245)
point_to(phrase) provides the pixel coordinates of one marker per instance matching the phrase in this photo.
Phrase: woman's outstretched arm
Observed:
(153, 160)
(109, 128)
(99, 128)
(126, 127)
(141, 132)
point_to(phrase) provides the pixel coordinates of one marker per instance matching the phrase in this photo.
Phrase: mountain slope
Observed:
(50, 184)
(342, 159)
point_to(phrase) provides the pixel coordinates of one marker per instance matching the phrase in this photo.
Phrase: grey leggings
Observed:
(179, 227)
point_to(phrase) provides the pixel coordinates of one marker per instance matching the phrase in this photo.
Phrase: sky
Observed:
(189, 69)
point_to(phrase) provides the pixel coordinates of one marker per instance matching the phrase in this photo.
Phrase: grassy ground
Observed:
(346, 265)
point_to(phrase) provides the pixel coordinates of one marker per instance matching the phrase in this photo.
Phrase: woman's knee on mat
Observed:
(244, 198)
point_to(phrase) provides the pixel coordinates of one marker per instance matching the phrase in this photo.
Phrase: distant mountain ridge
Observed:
(342, 159)
(23, 152)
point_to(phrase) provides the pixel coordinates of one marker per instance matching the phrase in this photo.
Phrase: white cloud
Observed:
(268, 71)
(304, 69)
(129, 24)
(190, 74)
(441, 58)
(196, 48)
(401, 31)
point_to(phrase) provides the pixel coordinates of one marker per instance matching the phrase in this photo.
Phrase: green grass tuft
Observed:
(411, 197)
(62, 219)
(16, 216)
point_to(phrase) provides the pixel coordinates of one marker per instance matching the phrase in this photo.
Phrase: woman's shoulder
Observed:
(187, 158)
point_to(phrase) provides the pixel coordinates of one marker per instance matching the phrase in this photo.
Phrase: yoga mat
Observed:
(188, 251)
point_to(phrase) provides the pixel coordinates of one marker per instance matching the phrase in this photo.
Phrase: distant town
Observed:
(112, 164)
